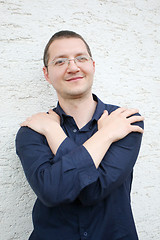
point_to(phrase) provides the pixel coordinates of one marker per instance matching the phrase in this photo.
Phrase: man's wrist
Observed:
(105, 136)
(55, 136)
(51, 128)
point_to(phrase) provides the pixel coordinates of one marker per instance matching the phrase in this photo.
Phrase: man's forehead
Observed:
(67, 46)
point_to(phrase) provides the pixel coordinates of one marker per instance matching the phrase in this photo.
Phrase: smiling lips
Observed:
(74, 78)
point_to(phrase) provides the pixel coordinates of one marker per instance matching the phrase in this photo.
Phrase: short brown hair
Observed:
(61, 35)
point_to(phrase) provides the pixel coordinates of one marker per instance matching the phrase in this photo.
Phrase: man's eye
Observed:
(82, 58)
(59, 62)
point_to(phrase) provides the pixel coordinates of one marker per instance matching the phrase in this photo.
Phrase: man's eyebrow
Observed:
(60, 56)
(66, 56)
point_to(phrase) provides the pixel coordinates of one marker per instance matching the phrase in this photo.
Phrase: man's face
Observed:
(71, 80)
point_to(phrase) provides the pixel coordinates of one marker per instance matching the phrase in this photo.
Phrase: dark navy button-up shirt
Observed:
(76, 201)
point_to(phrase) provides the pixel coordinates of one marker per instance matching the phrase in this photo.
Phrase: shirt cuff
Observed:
(80, 159)
(65, 147)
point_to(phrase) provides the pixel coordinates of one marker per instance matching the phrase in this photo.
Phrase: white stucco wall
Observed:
(124, 36)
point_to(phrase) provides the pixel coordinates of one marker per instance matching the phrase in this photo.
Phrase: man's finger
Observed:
(129, 112)
(136, 128)
(134, 119)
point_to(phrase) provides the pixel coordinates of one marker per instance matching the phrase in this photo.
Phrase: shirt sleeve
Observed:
(54, 179)
(116, 166)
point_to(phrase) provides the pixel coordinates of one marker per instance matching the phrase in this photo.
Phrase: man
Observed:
(79, 157)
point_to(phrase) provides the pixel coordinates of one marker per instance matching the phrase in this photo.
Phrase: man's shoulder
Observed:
(27, 131)
(110, 107)
(26, 135)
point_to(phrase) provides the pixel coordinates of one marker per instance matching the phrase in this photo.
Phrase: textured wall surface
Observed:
(124, 36)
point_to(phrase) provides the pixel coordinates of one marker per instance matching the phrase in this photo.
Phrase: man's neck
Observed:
(81, 109)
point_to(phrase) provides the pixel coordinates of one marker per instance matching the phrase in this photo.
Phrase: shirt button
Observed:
(74, 130)
(85, 234)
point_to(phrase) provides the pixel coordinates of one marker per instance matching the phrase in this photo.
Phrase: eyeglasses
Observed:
(65, 61)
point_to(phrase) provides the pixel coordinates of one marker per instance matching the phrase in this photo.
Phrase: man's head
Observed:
(69, 66)
(61, 35)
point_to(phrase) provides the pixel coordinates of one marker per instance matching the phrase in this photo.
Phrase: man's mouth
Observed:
(74, 78)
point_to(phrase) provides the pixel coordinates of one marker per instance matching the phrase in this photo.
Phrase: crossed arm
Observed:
(111, 128)
(61, 177)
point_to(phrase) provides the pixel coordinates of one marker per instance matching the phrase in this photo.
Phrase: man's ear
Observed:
(46, 74)
(94, 65)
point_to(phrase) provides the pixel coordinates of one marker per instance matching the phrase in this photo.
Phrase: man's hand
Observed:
(111, 128)
(42, 122)
(47, 124)
(118, 124)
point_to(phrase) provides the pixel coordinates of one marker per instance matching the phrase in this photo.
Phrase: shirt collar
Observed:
(97, 114)
(60, 112)
(99, 108)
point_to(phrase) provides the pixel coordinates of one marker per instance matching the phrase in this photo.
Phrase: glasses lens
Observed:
(60, 61)
(82, 58)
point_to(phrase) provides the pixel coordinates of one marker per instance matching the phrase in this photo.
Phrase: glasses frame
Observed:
(67, 60)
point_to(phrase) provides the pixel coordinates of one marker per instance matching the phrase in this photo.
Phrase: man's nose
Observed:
(72, 66)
